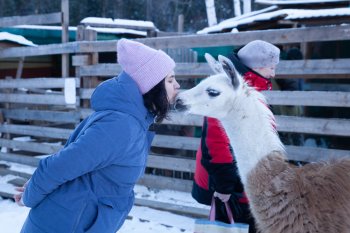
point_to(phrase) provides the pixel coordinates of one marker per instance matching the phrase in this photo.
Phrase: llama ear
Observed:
(214, 65)
(230, 70)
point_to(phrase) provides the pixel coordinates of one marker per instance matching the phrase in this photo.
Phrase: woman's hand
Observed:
(18, 196)
(222, 197)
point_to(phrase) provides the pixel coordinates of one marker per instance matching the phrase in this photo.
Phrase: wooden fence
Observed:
(39, 109)
(61, 17)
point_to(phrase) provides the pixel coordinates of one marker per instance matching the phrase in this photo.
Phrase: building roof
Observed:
(293, 2)
(283, 14)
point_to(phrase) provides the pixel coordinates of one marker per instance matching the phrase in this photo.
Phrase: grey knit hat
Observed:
(258, 54)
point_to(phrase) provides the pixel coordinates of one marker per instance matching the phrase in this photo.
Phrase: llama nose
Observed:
(179, 105)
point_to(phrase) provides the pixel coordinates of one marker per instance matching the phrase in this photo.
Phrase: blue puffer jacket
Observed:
(88, 185)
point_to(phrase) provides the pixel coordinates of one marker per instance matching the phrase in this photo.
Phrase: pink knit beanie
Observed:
(146, 66)
(259, 54)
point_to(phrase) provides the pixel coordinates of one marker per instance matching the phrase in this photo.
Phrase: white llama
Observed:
(284, 198)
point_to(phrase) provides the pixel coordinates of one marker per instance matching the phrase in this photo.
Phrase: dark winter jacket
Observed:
(88, 185)
(216, 169)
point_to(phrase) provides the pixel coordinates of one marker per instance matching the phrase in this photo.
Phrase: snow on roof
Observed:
(42, 27)
(5, 36)
(118, 31)
(287, 14)
(306, 14)
(98, 29)
(118, 22)
(290, 2)
(230, 23)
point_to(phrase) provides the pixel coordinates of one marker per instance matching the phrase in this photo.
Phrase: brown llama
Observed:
(283, 198)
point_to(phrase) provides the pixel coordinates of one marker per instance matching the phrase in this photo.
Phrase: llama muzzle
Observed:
(179, 105)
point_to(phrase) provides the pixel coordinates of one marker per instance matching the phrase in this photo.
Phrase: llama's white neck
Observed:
(249, 126)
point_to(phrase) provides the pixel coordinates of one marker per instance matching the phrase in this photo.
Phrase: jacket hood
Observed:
(121, 94)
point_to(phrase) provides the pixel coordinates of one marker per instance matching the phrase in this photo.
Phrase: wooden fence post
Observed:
(79, 60)
(65, 36)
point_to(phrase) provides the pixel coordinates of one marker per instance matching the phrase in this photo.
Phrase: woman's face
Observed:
(171, 87)
(267, 72)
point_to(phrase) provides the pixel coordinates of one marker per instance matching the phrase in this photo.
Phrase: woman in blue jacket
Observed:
(88, 185)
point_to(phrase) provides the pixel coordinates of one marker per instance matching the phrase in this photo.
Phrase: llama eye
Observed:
(213, 93)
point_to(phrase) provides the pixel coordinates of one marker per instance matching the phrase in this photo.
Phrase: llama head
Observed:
(214, 95)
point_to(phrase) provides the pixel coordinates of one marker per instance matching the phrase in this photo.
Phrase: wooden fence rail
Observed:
(284, 68)
(280, 36)
(50, 18)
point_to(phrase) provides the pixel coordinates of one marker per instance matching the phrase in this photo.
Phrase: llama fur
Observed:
(283, 197)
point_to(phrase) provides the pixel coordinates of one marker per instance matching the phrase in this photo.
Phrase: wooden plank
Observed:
(174, 208)
(308, 98)
(38, 131)
(41, 115)
(50, 18)
(19, 68)
(7, 171)
(30, 146)
(33, 99)
(312, 76)
(51, 49)
(6, 194)
(171, 207)
(104, 69)
(21, 159)
(326, 87)
(293, 98)
(314, 154)
(18, 182)
(275, 36)
(176, 142)
(284, 68)
(86, 93)
(314, 66)
(154, 161)
(336, 127)
(171, 163)
(161, 182)
(35, 83)
(85, 112)
(65, 36)
(81, 60)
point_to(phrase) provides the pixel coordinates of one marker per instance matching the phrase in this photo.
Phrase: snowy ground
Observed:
(141, 219)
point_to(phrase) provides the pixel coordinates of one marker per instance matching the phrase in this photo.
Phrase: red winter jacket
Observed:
(216, 169)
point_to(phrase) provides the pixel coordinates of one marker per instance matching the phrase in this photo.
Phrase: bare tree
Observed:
(247, 6)
(211, 14)
(237, 7)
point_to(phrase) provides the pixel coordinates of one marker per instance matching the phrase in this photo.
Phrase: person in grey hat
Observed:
(260, 56)
(216, 172)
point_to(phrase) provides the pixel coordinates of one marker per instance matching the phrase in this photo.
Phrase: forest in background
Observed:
(163, 13)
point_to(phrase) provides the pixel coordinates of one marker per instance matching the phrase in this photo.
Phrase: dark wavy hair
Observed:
(156, 101)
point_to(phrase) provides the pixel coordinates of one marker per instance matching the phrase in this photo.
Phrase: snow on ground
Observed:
(141, 219)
